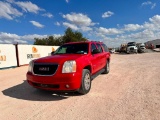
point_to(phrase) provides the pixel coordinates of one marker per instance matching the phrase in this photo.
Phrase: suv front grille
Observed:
(44, 69)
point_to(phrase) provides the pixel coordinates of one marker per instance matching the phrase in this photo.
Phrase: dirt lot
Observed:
(131, 91)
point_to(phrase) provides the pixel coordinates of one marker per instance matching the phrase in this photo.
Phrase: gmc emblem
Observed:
(44, 69)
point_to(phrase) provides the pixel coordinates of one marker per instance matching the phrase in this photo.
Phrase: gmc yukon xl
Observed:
(70, 68)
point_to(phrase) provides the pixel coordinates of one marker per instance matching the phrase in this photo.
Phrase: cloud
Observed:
(57, 23)
(132, 27)
(153, 5)
(109, 31)
(72, 26)
(37, 24)
(146, 3)
(78, 19)
(29, 7)
(67, 1)
(107, 14)
(8, 38)
(130, 32)
(8, 12)
(49, 15)
(155, 19)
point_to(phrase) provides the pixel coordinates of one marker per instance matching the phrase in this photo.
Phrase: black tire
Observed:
(106, 69)
(86, 82)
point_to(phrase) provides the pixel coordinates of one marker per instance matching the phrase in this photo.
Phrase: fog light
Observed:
(67, 86)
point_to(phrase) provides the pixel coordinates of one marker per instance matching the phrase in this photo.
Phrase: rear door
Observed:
(94, 59)
(102, 56)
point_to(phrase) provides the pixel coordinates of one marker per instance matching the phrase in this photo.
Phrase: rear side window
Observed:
(99, 47)
(105, 48)
(93, 47)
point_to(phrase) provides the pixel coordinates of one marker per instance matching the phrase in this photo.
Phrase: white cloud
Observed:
(72, 26)
(29, 7)
(37, 24)
(57, 23)
(153, 5)
(110, 31)
(9, 38)
(10, 1)
(155, 19)
(132, 27)
(146, 3)
(48, 15)
(131, 32)
(78, 19)
(67, 1)
(86, 29)
(31, 37)
(107, 14)
(8, 12)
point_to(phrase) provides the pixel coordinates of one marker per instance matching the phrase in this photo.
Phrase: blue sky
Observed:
(112, 21)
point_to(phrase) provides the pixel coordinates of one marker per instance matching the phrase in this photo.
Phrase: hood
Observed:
(60, 59)
(132, 46)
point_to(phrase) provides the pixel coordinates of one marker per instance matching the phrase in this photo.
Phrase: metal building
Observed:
(153, 44)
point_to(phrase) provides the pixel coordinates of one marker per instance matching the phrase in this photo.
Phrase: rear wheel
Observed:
(86, 82)
(106, 71)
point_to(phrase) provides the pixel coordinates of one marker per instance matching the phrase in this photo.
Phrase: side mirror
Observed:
(95, 51)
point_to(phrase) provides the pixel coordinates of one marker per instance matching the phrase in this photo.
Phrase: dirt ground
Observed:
(131, 91)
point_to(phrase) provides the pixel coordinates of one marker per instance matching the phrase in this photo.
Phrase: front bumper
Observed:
(60, 82)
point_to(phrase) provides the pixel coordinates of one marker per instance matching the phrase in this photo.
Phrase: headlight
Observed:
(30, 66)
(69, 67)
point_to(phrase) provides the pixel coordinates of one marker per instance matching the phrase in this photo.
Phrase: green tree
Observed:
(69, 36)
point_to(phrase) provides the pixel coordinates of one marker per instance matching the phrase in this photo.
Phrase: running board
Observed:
(97, 73)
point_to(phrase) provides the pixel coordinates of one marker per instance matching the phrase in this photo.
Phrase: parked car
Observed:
(70, 68)
(112, 50)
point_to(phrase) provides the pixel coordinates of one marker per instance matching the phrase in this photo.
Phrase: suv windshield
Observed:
(75, 48)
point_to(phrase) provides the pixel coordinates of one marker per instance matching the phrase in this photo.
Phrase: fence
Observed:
(18, 55)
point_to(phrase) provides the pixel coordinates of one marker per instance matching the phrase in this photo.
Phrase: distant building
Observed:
(153, 44)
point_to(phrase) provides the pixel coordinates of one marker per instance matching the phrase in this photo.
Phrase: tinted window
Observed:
(99, 47)
(105, 48)
(93, 47)
(80, 48)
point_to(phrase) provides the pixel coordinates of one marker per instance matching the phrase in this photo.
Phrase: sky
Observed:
(113, 22)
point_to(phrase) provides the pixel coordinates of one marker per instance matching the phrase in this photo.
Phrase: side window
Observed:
(105, 48)
(99, 47)
(93, 47)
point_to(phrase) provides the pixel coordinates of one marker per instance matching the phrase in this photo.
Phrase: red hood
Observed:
(60, 59)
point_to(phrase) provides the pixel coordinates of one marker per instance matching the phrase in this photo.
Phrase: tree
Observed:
(69, 36)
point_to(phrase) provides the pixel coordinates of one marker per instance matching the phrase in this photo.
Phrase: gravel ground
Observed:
(131, 91)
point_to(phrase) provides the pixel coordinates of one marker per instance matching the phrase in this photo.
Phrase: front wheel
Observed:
(106, 69)
(86, 82)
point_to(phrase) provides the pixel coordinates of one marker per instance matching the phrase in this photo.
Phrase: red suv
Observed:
(70, 68)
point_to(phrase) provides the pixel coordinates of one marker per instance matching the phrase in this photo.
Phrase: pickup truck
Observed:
(70, 68)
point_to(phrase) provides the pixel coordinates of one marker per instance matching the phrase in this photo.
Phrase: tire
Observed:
(86, 82)
(107, 68)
